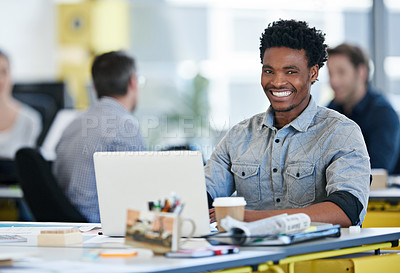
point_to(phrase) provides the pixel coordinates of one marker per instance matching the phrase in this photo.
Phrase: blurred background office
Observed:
(198, 60)
(20, 125)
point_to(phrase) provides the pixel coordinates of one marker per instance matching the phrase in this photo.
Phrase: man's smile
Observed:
(281, 94)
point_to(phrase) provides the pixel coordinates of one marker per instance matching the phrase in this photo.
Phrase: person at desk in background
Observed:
(356, 98)
(106, 126)
(20, 125)
(296, 157)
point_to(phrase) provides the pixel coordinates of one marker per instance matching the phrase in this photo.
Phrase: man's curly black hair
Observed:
(296, 35)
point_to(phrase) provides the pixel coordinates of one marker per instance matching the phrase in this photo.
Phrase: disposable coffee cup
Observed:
(232, 206)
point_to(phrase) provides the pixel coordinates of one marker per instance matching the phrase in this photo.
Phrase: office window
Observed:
(392, 59)
(176, 42)
(234, 48)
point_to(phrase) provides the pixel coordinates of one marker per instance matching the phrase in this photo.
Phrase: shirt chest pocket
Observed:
(300, 179)
(247, 180)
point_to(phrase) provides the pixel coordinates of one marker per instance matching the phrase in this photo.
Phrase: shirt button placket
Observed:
(276, 168)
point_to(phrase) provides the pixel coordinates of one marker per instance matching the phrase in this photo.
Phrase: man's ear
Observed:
(362, 72)
(133, 83)
(314, 70)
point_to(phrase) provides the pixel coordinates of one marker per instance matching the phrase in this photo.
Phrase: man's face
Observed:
(5, 77)
(343, 77)
(286, 79)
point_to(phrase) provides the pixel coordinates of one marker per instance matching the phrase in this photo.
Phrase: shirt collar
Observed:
(301, 123)
(110, 101)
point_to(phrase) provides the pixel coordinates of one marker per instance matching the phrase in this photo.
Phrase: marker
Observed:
(156, 206)
(178, 209)
(118, 253)
(176, 204)
(166, 207)
(151, 205)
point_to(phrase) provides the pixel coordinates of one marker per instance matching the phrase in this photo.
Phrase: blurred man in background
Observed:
(354, 97)
(106, 126)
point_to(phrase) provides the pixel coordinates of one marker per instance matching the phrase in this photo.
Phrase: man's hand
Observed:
(253, 215)
(212, 215)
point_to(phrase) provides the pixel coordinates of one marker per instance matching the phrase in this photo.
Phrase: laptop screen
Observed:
(129, 180)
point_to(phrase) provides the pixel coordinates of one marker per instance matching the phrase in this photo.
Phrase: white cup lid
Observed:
(229, 201)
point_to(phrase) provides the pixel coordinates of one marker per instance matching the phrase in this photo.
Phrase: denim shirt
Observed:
(318, 153)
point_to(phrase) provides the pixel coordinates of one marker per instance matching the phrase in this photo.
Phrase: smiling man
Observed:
(297, 156)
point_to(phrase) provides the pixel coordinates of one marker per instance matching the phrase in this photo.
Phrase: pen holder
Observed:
(158, 231)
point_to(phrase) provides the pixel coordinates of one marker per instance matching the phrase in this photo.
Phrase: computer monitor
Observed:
(45, 97)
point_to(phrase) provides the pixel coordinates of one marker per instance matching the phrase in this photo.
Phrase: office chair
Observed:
(45, 97)
(8, 173)
(396, 170)
(42, 193)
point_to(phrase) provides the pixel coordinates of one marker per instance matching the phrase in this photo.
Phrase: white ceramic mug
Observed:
(158, 231)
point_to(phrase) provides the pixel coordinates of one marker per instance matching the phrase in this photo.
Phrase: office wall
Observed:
(27, 34)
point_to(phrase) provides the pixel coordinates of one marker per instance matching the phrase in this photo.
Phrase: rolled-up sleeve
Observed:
(349, 168)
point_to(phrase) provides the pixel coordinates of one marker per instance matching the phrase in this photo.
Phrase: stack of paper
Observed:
(277, 230)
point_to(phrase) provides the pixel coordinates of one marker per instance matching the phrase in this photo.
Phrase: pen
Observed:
(166, 207)
(118, 253)
(156, 206)
(178, 209)
(151, 205)
(172, 204)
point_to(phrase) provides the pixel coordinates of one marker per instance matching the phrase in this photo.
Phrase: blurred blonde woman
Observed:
(20, 125)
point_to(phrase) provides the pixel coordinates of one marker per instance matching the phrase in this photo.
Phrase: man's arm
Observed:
(349, 208)
(219, 179)
(327, 212)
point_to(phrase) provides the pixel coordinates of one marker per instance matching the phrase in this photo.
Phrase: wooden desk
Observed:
(67, 259)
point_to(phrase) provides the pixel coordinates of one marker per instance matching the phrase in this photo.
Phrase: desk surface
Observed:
(388, 195)
(67, 259)
(12, 192)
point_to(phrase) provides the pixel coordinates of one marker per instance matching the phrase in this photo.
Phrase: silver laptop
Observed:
(129, 180)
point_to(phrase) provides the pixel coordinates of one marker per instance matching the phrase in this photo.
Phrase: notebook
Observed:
(129, 180)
